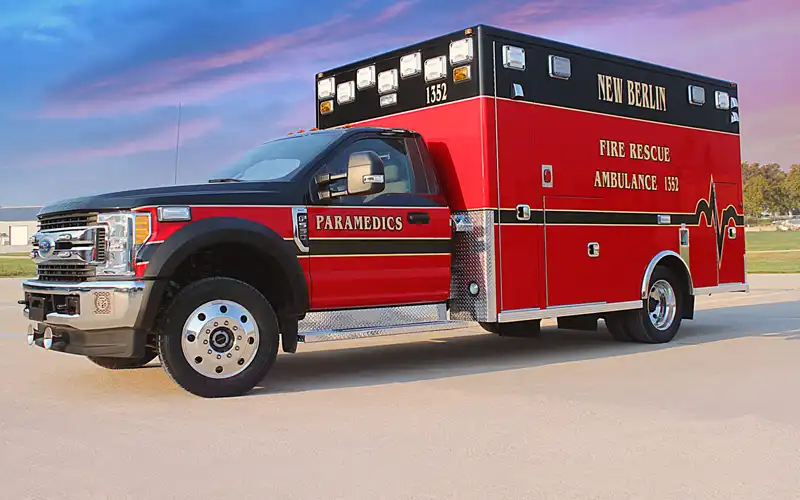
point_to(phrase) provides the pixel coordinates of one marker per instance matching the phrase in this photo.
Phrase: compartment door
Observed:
(578, 270)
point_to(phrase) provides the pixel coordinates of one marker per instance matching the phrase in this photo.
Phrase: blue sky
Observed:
(90, 88)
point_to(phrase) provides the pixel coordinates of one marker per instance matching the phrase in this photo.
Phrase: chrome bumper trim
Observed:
(104, 305)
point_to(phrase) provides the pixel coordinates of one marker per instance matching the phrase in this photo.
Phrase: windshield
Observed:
(278, 159)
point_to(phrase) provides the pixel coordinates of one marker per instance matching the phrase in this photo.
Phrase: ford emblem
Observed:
(47, 247)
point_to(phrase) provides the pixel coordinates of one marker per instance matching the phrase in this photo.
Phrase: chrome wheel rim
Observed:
(220, 339)
(662, 305)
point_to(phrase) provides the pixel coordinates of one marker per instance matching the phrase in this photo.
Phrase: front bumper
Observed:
(95, 318)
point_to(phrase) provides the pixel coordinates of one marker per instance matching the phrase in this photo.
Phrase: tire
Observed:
(519, 329)
(219, 339)
(124, 363)
(659, 319)
(617, 324)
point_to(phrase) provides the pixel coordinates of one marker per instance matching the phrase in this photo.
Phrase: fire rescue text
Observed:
(639, 94)
(359, 223)
(647, 152)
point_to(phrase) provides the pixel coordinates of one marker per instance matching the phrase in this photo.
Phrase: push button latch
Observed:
(594, 249)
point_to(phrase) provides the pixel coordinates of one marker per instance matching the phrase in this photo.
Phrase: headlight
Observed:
(125, 234)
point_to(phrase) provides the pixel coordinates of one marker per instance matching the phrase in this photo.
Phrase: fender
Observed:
(195, 236)
(655, 261)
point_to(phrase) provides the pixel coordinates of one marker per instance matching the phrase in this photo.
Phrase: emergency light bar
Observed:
(435, 68)
(411, 65)
(461, 51)
(346, 92)
(365, 77)
(325, 88)
(723, 100)
(387, 81)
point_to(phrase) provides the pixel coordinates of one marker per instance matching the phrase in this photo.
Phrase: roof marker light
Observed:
(462, 74)
(326, 88)
(461, 51)
(326, 107)
(365, 77)
(411, 65)
(387, 81)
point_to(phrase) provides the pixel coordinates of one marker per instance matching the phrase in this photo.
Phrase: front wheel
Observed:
(659, 319)
(219, 339)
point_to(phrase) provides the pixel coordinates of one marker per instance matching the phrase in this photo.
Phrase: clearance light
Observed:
(734, 103)
(365, 77)
(514, 57)
(461, 51)
(462, 74)
(326, 107)
(388, 100)
(734, 117)
(174, 214)
(560, 67)
(723, 100)
(346, 92)
(387, 81)
(436, 68)
(411, 65)
(325, 88)
(697, 95)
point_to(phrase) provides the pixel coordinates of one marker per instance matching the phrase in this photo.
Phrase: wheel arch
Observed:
(198, 236)
(672, 260)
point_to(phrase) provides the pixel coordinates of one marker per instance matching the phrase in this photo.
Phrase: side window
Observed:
(423, 167)
(398, 171)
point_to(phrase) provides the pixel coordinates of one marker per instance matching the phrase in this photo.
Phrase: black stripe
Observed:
(509, 216)
(147, 252)
(370, 246)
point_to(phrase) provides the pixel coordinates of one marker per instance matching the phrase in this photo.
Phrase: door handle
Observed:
(418, 218)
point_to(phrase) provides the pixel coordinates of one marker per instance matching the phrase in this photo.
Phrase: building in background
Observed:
(17, 225)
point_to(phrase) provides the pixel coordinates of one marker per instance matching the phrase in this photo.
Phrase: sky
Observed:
(90, 89)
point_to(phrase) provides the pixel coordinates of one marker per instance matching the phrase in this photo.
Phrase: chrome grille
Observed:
(48, 222)
(65, 272)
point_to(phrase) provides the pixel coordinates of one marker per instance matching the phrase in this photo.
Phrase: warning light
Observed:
(462, 74)
(326, 107)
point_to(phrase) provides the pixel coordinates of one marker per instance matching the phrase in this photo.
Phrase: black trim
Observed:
(374, 246)
(147, 252)
(578, 217)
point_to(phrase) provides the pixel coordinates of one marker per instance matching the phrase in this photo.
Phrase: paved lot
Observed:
(715, 414)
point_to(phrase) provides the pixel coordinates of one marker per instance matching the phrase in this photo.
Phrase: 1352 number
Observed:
(437, 93)
(671, 183)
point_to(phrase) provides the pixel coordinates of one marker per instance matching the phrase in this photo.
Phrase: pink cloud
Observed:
(193, 79)
(159, 140)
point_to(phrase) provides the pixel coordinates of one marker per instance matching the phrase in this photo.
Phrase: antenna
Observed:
(178, 141)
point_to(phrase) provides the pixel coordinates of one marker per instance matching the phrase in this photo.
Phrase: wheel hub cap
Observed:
(220, 339)
(662, 305)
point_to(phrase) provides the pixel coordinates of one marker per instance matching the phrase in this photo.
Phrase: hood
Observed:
(222, 193)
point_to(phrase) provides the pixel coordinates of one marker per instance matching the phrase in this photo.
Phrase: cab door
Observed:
(386, 249)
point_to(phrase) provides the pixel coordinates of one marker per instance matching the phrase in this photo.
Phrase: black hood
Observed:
(218, 193)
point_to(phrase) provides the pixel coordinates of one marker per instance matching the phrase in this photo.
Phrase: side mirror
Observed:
(365, 174)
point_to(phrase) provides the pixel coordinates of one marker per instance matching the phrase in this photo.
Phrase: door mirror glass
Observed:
(365, 174)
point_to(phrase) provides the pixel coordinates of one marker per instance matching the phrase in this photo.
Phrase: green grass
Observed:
(779, 263)
(773, 240)
(17, 268)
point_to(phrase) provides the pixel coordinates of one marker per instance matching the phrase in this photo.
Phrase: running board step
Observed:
(363, 333)
(325, 326)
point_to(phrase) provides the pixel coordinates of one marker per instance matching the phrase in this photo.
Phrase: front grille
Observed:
(65, 272)
(47, 222)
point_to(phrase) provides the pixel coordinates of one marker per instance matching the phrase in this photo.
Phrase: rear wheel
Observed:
(659, 319)
(124, 363)
(219, 339)
(617, 324)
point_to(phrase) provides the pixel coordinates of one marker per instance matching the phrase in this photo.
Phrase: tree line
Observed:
(767, 188)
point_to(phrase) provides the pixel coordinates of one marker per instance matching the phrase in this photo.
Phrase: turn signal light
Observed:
(326, 107)
(142, 228)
